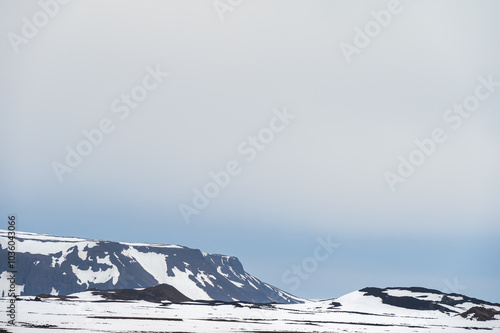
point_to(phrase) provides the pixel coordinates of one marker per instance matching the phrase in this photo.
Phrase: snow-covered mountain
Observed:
(65, 265)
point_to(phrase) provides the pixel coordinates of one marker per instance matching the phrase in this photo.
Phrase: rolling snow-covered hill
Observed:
(65, 265)
(369, 310)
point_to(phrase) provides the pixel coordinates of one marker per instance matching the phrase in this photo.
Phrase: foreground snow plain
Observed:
(358, 313)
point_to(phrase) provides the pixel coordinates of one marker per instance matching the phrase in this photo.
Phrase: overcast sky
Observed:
(350, 109)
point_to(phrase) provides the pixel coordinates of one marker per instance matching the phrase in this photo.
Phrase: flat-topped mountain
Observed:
(65, 265)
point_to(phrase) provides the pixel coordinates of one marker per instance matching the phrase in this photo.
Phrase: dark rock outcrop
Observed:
(480, 313)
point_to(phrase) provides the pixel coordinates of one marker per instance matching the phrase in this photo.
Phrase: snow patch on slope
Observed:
(5, 285)
(101, 276)
(205, 278)
(154, 263)
(407, 293)
(182, 282)
(53, 247)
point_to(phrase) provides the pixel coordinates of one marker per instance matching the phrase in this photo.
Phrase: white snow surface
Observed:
(47, 244)
(5, 285)
(185, 285)
(101, 276)
(86, 314)
(407, 293)
(156, 265)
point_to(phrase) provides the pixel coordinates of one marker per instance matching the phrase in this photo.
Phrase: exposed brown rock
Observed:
(480, 313)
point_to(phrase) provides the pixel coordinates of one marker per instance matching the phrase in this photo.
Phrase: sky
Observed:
(329, 145)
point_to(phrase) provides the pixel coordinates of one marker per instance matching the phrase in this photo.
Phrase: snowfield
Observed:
(358, 313)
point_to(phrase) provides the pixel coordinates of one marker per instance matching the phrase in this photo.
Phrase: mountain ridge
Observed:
(51, 264)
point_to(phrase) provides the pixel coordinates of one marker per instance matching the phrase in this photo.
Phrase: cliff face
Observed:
(62, 265)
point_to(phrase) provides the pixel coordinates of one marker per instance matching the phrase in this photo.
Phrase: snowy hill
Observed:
(409, 301)
(65, 265)
(370, 310)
